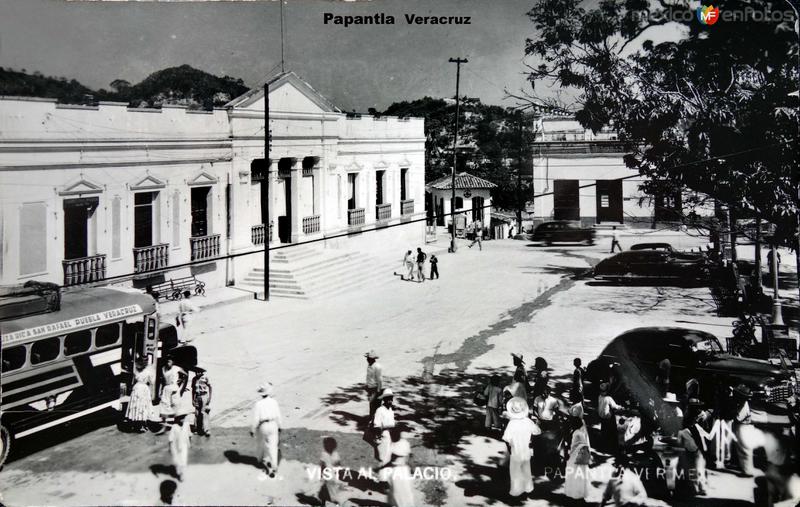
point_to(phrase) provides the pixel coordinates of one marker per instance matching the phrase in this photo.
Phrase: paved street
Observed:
(436, 340)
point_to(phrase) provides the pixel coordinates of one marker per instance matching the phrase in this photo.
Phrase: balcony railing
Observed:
(204, 247)
(355, 216)
(257, 234)
(407, 207)
(149, 258)
(383, 211)
(311, 224)
(84, 270)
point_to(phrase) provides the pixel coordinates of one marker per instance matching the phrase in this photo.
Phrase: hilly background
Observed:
(182, 85)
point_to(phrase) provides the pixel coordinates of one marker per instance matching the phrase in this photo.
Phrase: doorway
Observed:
(566, 200)
(609, 201)
(78, 221)
(200, 196)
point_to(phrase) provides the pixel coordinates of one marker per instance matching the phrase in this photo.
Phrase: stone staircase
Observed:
(305, 272)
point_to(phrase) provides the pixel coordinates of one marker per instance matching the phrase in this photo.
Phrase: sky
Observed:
(356, 67)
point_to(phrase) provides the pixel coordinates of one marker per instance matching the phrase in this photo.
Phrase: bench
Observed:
(173, 289)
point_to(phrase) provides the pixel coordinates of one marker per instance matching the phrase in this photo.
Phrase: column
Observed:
(270, 183)
(296, 218)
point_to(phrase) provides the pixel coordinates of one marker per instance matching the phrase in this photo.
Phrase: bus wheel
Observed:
(5, 445)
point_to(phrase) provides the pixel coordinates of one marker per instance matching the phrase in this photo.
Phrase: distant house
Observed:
(581, 176)
(473, 200)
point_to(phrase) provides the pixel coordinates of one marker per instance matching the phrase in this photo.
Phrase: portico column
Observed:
(270, 182)
(296, 222)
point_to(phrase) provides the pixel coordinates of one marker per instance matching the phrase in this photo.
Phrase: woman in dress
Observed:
(577, 483)
(518, 436)
(140, 406)
(401, 482)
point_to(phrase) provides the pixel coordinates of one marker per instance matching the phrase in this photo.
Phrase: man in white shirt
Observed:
(265, 427)
(374, 382)
(186, 310)
(383, 422)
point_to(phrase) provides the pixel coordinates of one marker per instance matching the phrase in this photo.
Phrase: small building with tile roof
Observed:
(473, 200)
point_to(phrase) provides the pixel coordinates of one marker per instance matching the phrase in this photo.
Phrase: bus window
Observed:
(45, 350)
(14, 358)
(75, 343)
(106, 335)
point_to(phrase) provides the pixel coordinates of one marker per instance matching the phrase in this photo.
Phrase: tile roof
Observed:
(463, 180)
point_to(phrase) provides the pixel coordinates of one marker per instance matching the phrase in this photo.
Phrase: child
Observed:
(330, 462)
(434, 266)
(494, 404)
(180, 440)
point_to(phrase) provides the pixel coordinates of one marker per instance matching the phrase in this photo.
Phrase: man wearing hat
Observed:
(201, 398)
(383, 422)
(743, 428)
(520, 372)
(265, 427)
(180, 438)
(374, 382)
(517, 437)
(607, 408)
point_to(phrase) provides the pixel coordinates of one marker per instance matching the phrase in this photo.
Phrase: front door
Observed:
(566, 200)
(285, 220)
(609, 201)
(77, 214)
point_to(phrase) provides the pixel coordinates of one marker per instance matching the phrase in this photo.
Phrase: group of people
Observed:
(538, 428)
(392, 451)
(177, 401)
(414, 265)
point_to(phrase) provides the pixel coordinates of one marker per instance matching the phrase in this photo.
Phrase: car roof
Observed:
(688, 334)
(650, 246)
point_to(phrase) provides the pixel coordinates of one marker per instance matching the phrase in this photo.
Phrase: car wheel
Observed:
(548, 242)
(5, 445)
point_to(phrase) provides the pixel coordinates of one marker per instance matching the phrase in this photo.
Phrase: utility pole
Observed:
(520, 119)
(458, 62)
(266, 197)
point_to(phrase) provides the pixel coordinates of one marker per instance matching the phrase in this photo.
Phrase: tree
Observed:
(709, 110)
(494, 144)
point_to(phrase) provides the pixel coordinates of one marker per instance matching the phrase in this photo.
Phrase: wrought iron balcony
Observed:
(84, 270)
(383, 211)
(311, 224)
(355, 216)
(149, 258)
(407, 207)
(204, 247)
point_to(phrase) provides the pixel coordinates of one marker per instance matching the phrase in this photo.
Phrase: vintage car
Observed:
(653, 265)
(563, 231)
(631, 363)
(666, 247)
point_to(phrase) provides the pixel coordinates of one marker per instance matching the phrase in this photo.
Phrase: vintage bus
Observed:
(63, 365)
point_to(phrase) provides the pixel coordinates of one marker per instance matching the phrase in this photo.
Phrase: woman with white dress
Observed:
(140, 405)
(518, 436)
(576, 482)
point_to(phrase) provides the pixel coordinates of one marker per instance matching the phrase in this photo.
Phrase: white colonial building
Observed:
(110, 193)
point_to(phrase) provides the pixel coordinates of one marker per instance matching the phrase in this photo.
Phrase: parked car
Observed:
(666, 247)
(563, 231)
(653, 265)
(631, 362)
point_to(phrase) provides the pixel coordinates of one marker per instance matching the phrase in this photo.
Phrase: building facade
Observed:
(110, 193)
(581, 176)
